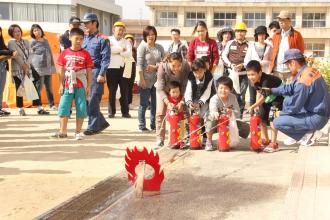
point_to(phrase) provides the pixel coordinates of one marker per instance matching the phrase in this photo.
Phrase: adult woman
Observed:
(130, 39)
(20, 65)
(224, 35)
(149, 57)
(42, 62)
(175, 69)
(261, 51)
(203, 45)
(4, 55)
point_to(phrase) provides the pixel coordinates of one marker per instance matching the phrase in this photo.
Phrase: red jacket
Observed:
(295, 41)
(196, 51)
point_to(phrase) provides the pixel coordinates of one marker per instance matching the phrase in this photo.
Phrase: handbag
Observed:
(30, 90)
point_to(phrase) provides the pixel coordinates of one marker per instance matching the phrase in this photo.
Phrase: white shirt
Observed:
(117, 52)
(284, 46)
(205, 96)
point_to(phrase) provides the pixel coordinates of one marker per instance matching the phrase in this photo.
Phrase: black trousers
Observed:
(253, 94)
(19, 100)
(131, 84)
(114, 79)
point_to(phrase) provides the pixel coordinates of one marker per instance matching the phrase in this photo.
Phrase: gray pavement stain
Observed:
(191, 197)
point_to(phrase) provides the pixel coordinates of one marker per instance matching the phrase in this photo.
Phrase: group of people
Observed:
(207, 77)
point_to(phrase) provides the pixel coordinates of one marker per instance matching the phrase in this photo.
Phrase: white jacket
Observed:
(117, 58)
(252, 54)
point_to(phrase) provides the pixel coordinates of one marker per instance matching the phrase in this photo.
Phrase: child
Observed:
(259, 79)
(203, 45)
(75, 76)
(175, 106)
(224, 100)
(199, 87)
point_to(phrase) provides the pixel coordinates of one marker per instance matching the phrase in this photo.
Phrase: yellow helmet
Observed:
(129, 36)
(240, 26)
(119, 24)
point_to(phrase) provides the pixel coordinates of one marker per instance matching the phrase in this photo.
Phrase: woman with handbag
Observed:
(20, 66)
(5, 54)
(42, 62)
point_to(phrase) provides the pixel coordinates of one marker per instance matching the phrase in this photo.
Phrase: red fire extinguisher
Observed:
(173, 120)
(195, 133)
(223, 129)
(255, 135)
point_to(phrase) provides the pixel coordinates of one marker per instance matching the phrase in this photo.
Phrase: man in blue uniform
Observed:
(98, 46)
(306, 107)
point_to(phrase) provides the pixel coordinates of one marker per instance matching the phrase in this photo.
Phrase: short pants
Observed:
(65, 105)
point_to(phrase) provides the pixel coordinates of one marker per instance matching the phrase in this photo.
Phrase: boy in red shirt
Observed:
(75, 77)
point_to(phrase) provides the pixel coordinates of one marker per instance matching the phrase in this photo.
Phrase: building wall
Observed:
(315, 36)
(54, 16)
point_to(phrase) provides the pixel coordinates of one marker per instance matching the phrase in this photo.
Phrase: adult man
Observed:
(288, 38)
(98, 46)
(65, 42)
(306, 107)
(233, 57)
(177, 45)
(120, 49)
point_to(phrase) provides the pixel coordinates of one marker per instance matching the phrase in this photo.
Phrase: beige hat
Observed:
(284, 15)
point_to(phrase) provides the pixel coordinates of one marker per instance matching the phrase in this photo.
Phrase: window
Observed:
(254, 19)
(224, 19)
(64, 13)
(50, 13)
(20, 12)
(168, 18)
(193, 17)
(316, 49)
(313, 20)
(293, 17)
(4, 11)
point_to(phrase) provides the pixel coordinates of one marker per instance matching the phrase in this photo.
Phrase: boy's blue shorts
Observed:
(65, 105)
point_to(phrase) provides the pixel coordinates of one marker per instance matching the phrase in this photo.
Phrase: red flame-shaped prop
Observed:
(132, 159)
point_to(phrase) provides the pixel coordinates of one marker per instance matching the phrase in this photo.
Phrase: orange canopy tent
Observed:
(10, 91)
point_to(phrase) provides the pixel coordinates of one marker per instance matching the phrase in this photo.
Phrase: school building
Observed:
(310, 17)
(54, 15)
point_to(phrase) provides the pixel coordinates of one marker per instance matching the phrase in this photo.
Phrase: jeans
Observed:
(96, 120)
(3, 76)
(47, 81)
(244, 83)
(145, 95)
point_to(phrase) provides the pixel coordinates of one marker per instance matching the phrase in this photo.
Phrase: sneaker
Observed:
(4, 112)
(271, 148)
(53, 108)
(159, 144)
(317, 135)
(144, 130)
(21, 112)
(90, 132)
(307, 140)
(289, 141)
(77, 136)
(43, 112)
(265, 142)
(209, 146)
(59, 135)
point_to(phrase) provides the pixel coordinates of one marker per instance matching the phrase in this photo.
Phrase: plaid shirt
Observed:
(181, 49)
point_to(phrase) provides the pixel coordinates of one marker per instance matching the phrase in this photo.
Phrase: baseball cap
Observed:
(292, 54)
